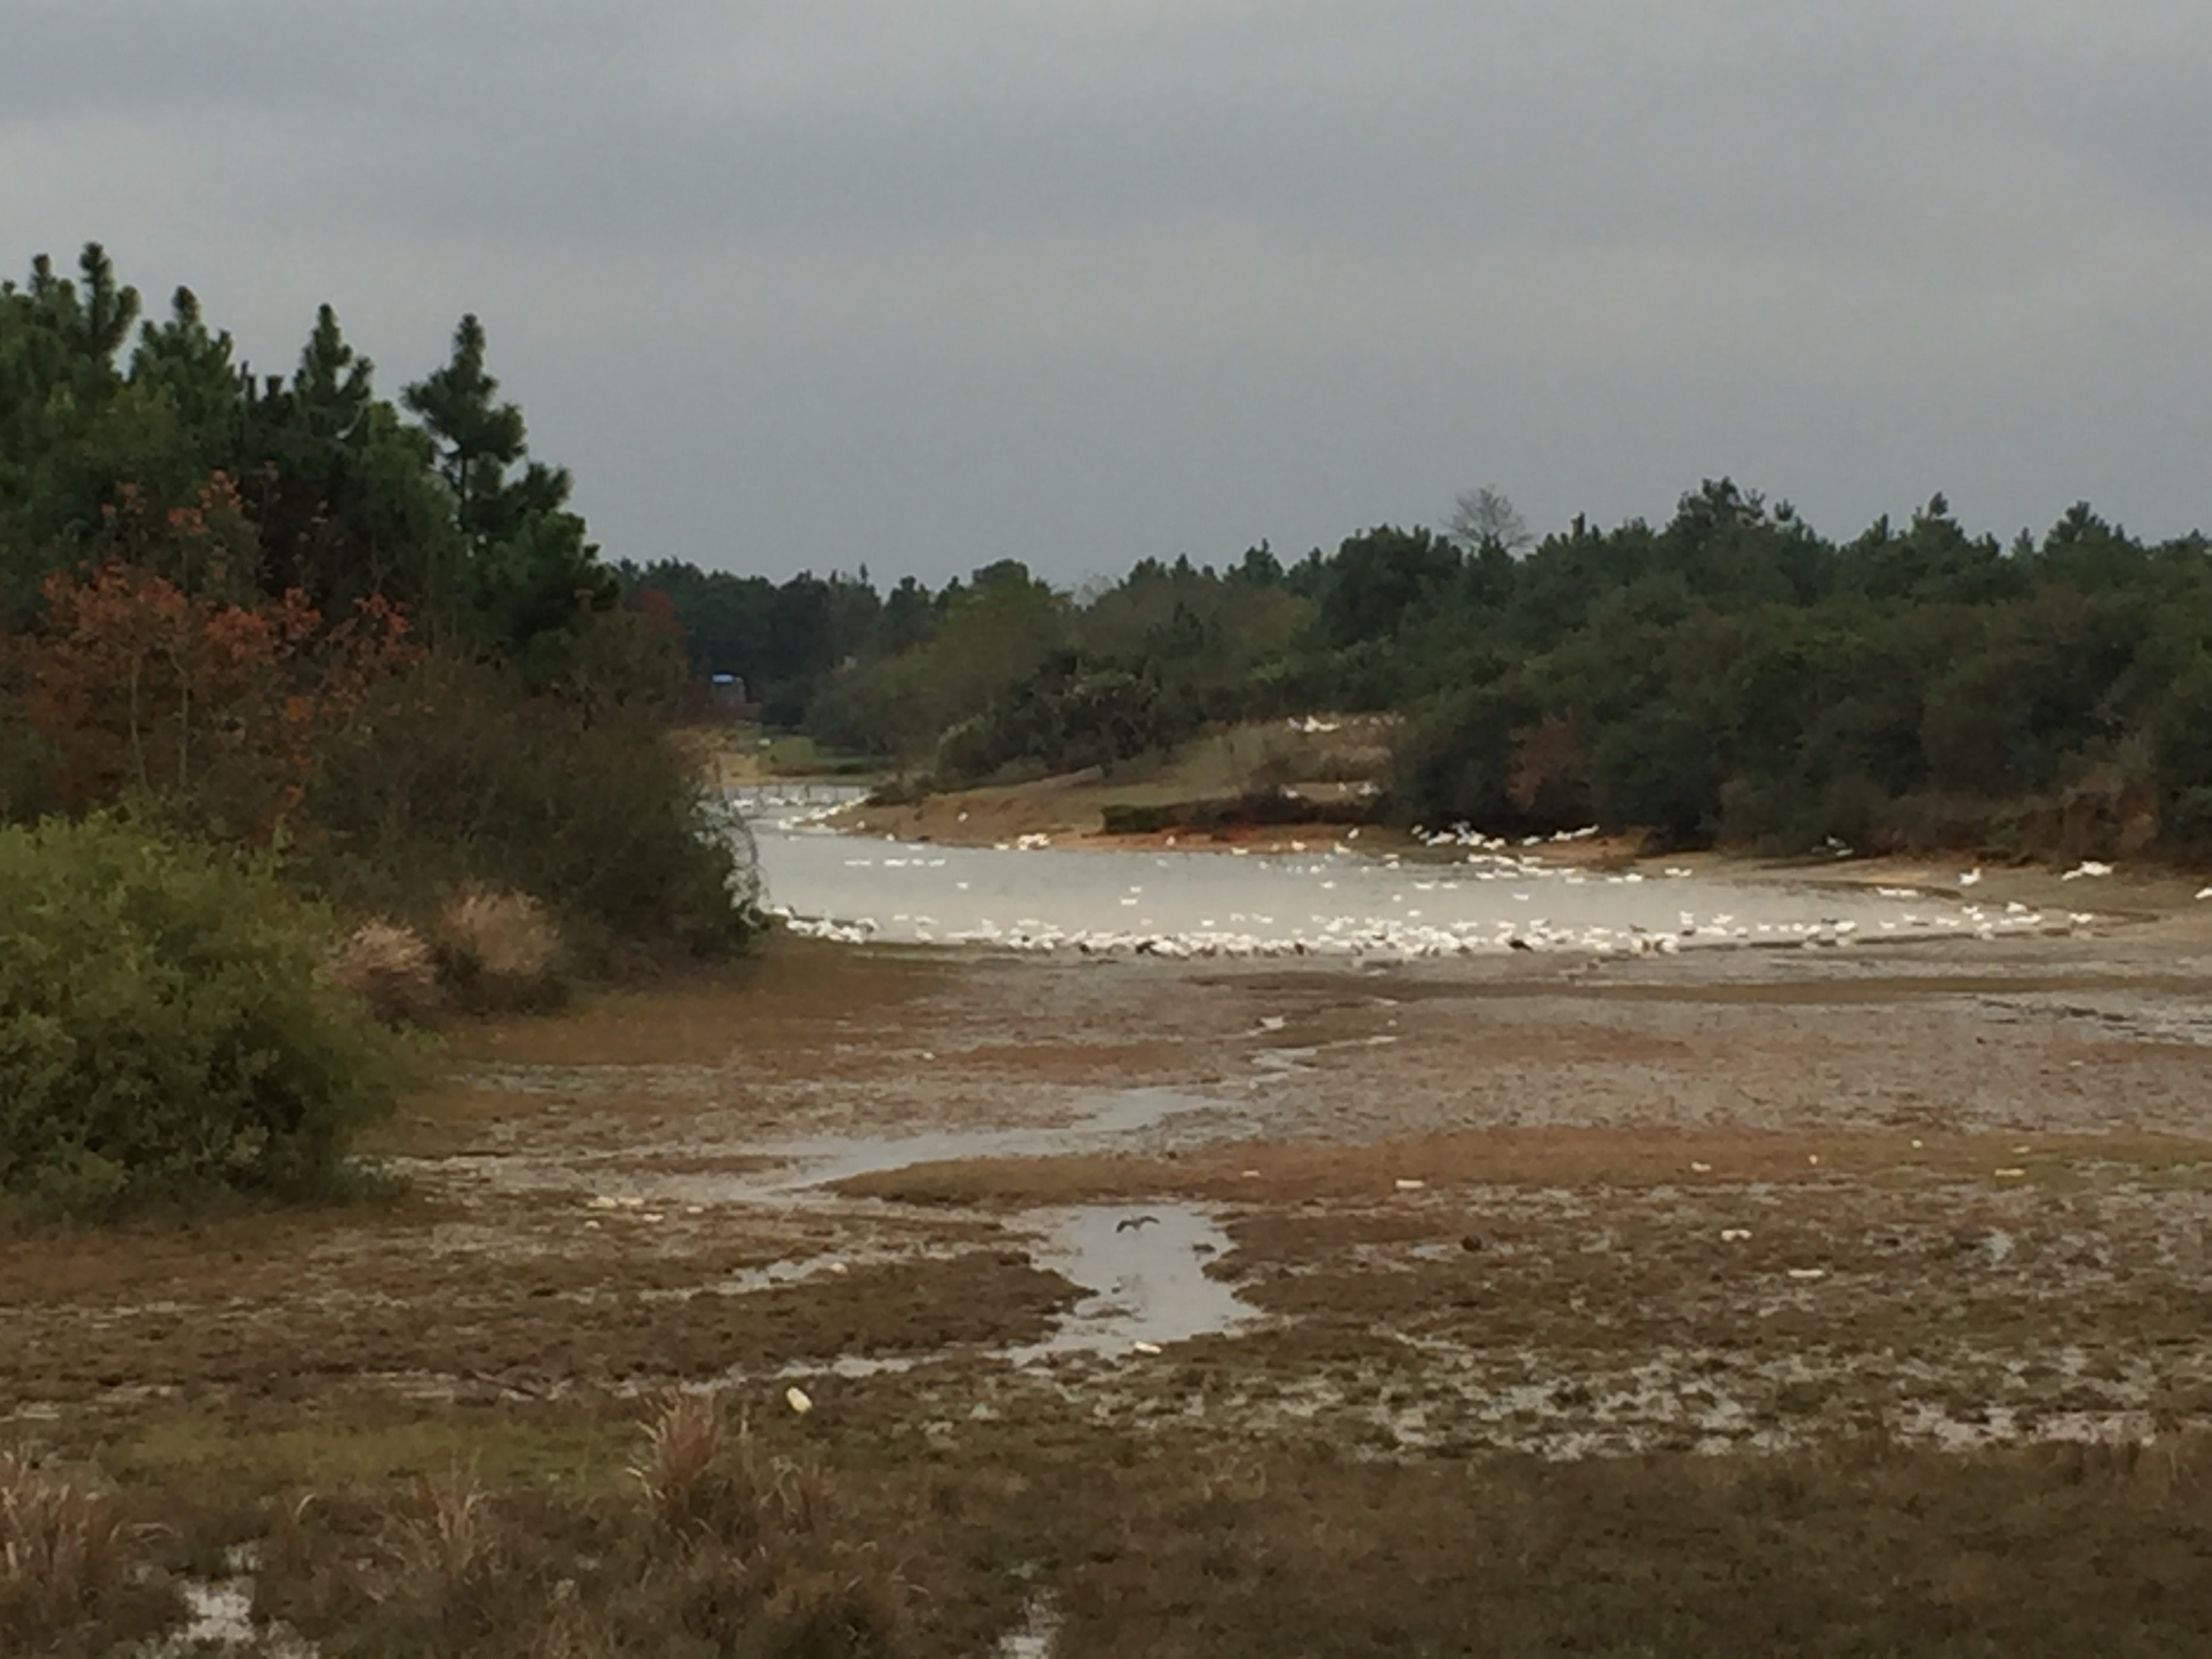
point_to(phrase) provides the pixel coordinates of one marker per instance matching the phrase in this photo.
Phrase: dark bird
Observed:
(1129, 1224)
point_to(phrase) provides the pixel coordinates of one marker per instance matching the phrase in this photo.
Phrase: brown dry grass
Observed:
(684, 1443)
(635, 1308)
(1178, 1539)
(392, 968)
(447, 1534)
(808, 999)
(69, 1563)
(1269, 1173)
(498, 949)
(1331, 1482)
(735, 1552)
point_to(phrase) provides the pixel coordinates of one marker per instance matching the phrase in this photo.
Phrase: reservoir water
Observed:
(1324, 898)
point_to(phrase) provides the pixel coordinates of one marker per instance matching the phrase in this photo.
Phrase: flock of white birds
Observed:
(1371, 909)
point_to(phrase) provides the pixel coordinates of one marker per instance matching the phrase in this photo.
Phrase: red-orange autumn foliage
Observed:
(202, 545)
(216, 707)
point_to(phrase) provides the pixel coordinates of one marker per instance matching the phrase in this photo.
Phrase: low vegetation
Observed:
(73, 1568)
(716, 1548)
(330, 654)
(1174, 1541)
(166, 1030)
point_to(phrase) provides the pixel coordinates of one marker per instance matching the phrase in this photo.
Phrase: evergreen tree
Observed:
(477, 437)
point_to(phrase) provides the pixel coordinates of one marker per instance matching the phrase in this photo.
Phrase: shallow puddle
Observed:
(1039, 1635)
(218, 1620)
(805, 1164)
(1146, 1270)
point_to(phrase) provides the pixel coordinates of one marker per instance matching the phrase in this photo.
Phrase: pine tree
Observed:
(478, 438)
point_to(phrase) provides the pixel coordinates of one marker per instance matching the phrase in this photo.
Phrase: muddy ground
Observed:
(1832, 1301)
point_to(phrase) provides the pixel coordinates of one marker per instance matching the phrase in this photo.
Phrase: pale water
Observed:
(1324, 899)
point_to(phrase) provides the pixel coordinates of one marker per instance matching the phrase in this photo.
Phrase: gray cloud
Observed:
(1079, 282)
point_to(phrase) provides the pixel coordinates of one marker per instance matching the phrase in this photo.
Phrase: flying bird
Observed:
(1130, 1223)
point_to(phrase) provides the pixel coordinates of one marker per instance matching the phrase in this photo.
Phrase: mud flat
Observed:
(1824, 1302)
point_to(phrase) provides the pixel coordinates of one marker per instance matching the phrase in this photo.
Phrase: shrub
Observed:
(164, 1029)
(456, 772)
(391, 969)
(499, 949)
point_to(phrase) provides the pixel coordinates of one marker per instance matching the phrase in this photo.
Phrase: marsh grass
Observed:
(392, 968)
(70, 1563)
(1548, 1157)
(684, 1473)
(1172, 1540)
(449, 1536)
(498, 951)
(707, 1544)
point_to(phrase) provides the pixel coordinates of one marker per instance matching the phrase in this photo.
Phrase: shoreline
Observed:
(2138, 894)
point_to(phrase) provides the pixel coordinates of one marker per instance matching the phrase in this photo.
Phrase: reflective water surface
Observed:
(1322, 898)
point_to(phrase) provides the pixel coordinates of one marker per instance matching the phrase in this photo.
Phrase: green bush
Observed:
(458, 773)
(165, 1031)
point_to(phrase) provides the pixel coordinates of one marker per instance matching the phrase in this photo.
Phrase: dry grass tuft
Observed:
(61, 1540)
(707, 1483)
(499, 949)
(683, 1463)
(69, 1561)
(447, 1539)
(391, 968)
(757, 1559)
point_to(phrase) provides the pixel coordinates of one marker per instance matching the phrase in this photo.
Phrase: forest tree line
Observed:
(259, 600)
(365, 635)
(1730, 675)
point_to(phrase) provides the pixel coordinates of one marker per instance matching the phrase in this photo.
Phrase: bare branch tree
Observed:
(1486, 518)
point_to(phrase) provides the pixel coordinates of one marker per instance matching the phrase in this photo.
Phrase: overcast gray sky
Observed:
(924, 283)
